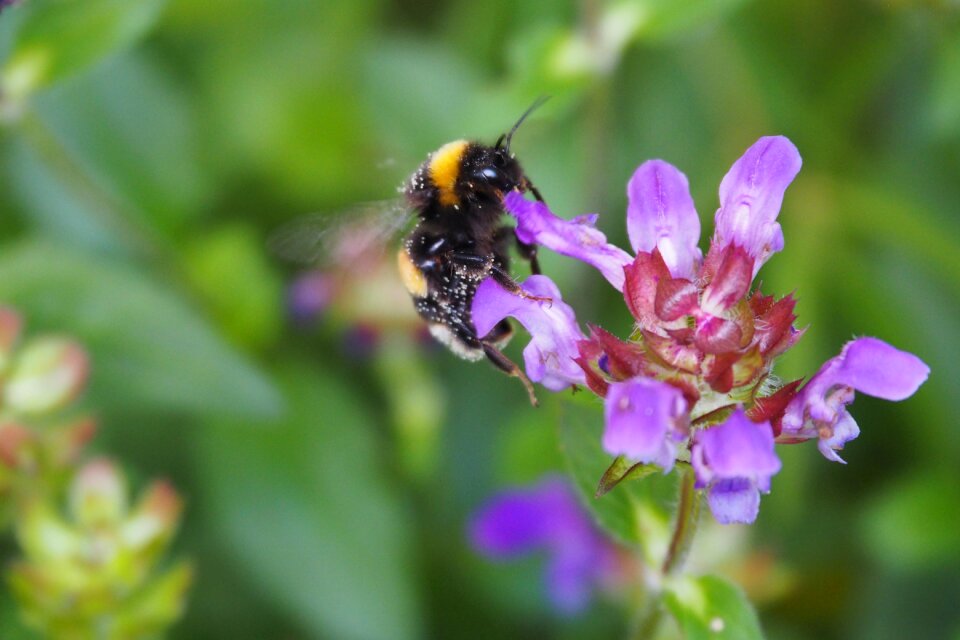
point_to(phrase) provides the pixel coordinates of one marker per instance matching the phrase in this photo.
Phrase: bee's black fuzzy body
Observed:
(460, 240)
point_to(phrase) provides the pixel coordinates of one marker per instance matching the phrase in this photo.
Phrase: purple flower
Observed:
(661, 215)
(309, 296)
(547, 517)
(577, 238)
(549, 358)
(734, 461)
(643, 421)
(750, 197)
(868, 365)
(702, 341)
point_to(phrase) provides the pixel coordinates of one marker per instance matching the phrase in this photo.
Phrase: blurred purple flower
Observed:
(548, 517)
(550, 356)
(734, 461)
(309, 296)
(868, 365)
(642, 419)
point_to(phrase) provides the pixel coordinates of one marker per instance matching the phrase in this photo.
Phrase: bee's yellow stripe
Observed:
(444, 170)
(412, 278)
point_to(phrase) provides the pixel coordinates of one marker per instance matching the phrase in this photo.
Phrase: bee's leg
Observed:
(504, 279)
(535, 192)
(507, 282)
(507, 365)
(529, 253)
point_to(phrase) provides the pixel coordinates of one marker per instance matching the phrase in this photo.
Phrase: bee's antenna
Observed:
(504, 140)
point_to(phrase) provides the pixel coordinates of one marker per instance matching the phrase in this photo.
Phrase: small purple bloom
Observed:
(868, 365)
(577, 238)
(309, 296)
(641, 416)
(548, 516)
(735, 461)
(750, 197)
(553, 329)
(661, 215)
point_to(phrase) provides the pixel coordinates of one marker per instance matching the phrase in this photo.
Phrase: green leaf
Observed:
(61, 37)
(245, 296)
(116, 186)
(636, 512)
(310, 513)
(711, 608)
(148, 348)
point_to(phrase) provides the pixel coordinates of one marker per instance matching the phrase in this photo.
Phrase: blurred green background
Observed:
(149, 149)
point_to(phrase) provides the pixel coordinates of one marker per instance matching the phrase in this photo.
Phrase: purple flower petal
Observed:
(660, 214)
(873, 367)
(734, 501)
(574, 238)
(547, 516)
(867, 365)
(845, 430)
(309, 296)
(549, 357)
(640, 417)
(513, 524)
(750, 197)
(735, 461)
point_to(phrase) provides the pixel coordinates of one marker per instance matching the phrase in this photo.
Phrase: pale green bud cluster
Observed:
(90, 560)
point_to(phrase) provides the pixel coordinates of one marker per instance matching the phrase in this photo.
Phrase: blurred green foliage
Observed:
(149, 148)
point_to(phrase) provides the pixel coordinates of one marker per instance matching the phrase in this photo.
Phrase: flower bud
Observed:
(47, 374)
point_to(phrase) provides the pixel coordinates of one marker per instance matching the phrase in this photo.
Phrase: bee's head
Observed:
(495, 169)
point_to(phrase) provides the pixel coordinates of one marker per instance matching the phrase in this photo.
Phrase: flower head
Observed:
(704, 345)
(547, 517)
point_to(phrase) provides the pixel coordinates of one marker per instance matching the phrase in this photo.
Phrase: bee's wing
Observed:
(319, 239)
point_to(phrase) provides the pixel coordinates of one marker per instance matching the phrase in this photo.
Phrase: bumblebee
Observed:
(460, 240)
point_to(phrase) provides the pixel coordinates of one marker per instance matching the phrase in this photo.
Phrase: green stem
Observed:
(649, 616)
(685, 526)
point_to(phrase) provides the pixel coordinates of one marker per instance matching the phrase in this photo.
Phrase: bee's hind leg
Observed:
(529, 253)
(509, 367)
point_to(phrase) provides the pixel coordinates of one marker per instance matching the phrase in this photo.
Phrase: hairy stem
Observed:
(685, 526)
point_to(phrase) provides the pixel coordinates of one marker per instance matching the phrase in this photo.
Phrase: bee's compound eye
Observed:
(490, 173)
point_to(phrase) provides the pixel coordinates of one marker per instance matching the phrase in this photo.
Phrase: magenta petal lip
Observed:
(661, 215)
